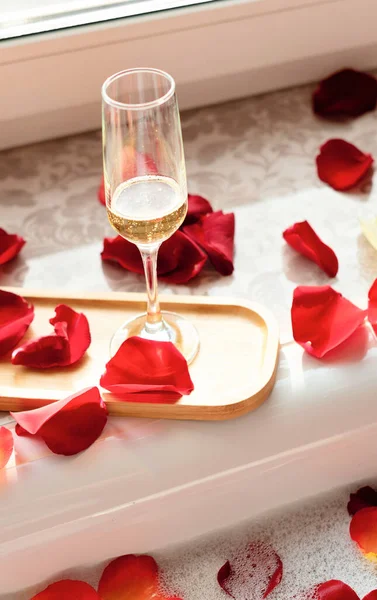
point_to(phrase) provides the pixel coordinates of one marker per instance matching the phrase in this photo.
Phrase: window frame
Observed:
(216, 52)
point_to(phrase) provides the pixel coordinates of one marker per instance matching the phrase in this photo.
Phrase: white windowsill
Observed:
(216, 52)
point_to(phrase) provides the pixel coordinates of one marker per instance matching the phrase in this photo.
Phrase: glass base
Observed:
(175, 329)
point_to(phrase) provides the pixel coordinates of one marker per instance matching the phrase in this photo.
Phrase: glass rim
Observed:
(142, 105)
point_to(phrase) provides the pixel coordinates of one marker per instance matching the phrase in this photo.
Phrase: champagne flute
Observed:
(146, 188)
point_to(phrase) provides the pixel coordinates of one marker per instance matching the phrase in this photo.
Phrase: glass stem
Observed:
(154, 317)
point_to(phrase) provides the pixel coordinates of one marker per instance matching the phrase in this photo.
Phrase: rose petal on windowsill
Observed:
(68, 589)
(197, 208)
(346, 93)
(302, 238)
(179, 259)
(67, 426)
(214, 233)
(132, 577)
(6, 446)
(322, 319)
(341, 165)
(252, 573)
(363, 498)
(10, 245)
(363, 530)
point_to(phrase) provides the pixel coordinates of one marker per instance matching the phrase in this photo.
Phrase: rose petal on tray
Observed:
(215, 234)
(197, 208)
(363, 530)
(68, 345)
(10, 245)
(302, 238)
(68, 589)
(341, 165)
(346, 93)
(6, 446)
(364, 497)
(322, 319)
(147, 371)
(179, 258)
(16, 314)
(252, 574)
(67, 426)
(131, 577)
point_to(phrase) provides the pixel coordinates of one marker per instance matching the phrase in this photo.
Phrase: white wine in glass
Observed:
(145, 187)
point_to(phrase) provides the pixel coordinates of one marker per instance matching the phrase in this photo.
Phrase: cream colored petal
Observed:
(369, 229)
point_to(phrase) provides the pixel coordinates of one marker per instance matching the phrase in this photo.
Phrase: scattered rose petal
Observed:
(363, 530)
(69, 343)
(131, 577)
(67, 426)
(347, 93)
(372, 305)
(302, 238)
(335, 590)
(147, 371)
(252, 574)
(369, 229)
(371, 596)
(322, 319)
(15, 317)
(197, 208)
(341, 165)
(10, 246)
(68, 589)
(179, 259)
(6, 446)
(364, 497)
(215, 234)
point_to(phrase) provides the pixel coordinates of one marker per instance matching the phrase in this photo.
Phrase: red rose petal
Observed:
(131, 577)
(6, 446)
(363, 529)
(252, 574)
(68, 589)
(364, 497)
(197, 208)
(322, 319)
(371, 596)
(67, 346)
(335, 590)
(346, 93)
(215, 234)
(372, 305)
(302, 238)
(15, 317)
(341, 165)
(67, 426)
(147, 371)
(10, 246)
(179, 258)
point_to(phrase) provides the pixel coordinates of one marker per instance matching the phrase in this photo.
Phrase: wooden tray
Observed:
(233, 373)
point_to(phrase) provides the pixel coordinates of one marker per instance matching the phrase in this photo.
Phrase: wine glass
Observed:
(146, 188)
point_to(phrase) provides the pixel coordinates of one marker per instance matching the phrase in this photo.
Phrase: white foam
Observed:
(311, 539)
